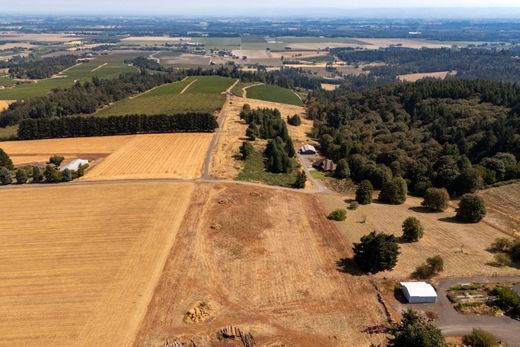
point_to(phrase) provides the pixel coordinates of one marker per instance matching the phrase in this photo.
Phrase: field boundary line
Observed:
(244, 90)
(187, 87)
(99, 67)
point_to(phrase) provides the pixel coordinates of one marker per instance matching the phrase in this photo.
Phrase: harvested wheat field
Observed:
(263, 261)
(503, 208)
(39, 151)
(79, 264)
(462, 246)
(178, 155)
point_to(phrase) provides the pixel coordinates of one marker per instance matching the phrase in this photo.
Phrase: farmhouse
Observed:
(307, 149)
(419, 292)
(75, 164)
(326, 165)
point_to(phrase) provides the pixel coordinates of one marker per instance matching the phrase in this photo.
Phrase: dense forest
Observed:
(457, 134)
(115, 125)
(31, 68)
(469, 63)
(84, 98)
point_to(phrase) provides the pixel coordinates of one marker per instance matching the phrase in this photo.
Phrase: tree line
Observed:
(79, 126)
(86, 97)
(455, 134)
(31, 68)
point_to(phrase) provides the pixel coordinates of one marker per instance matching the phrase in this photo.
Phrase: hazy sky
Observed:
(185, 6)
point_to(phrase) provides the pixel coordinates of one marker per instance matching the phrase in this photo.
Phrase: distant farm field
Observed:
(413, 77)
(79, 264)
(155, 156)
(274, 93)
(503, 208)
(103, 66)
(200, 93)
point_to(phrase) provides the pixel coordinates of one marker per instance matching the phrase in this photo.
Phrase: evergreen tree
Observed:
(5, 161)
(414, 331)
(300, 181)
(342, 169)
(246, 149)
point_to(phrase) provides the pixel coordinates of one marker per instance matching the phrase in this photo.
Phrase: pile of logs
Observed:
(231, 332)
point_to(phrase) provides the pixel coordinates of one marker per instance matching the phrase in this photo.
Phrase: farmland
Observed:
(462, 246)
(264, 261)
(274, 93)
(39, 151)
(502, 208)
(155, 156)
(103, 66)
(203, 94)
(417, 76)
(79, 264)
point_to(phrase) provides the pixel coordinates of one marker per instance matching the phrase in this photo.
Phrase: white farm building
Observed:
(419, 292)
(75, 164)
(308, 149)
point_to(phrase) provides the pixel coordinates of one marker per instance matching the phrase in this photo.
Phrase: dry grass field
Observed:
(5, 104)
(414, 77)
(39, 151)
(79, 264)
(503, 208)
(179, 155)
(264, 261)
(462, 246)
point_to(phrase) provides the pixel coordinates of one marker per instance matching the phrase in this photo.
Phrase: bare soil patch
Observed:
(268, 259)
(5, 104)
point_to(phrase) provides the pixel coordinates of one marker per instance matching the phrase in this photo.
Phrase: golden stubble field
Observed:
(462, 246)
(265, 261)
(79, 264)
(179, 155)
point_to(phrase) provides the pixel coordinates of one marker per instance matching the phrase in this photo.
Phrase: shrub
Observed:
(501, 244)
(515, 251)
(433, 266)
(67, 175)
(364, 192)
(502, 259)
(353, 205)
(507, 299)
(412, 229)
(5, 176)
(246, 149)
(342, 169)
(394, 192)
(5, 161)
(300, 181)
(480, 338)
(294, 120)
(251, 134)
(21, 176)
(52, 175)
(414, 331)
(338, 215)
(36, 174)
(376, 252)
(81, 170)
(436, 199)
(471, 209)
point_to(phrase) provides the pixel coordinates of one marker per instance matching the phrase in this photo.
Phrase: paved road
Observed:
(453, 323)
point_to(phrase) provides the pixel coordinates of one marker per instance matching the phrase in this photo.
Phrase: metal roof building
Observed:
(75, 164)
(419, 292)
(308, 149)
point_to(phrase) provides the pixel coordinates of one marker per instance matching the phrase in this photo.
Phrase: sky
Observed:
(172, 7)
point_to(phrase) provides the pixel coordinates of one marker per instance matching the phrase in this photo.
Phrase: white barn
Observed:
(308, 149)
(419, 292)
(75, 164)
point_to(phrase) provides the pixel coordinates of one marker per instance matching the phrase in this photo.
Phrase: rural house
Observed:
(325, 165)
(419, 292)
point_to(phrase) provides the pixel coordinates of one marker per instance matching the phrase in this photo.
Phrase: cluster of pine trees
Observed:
(268, 124)
(455, 134)
(84, 98)
(31, 68)
(113, 125)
